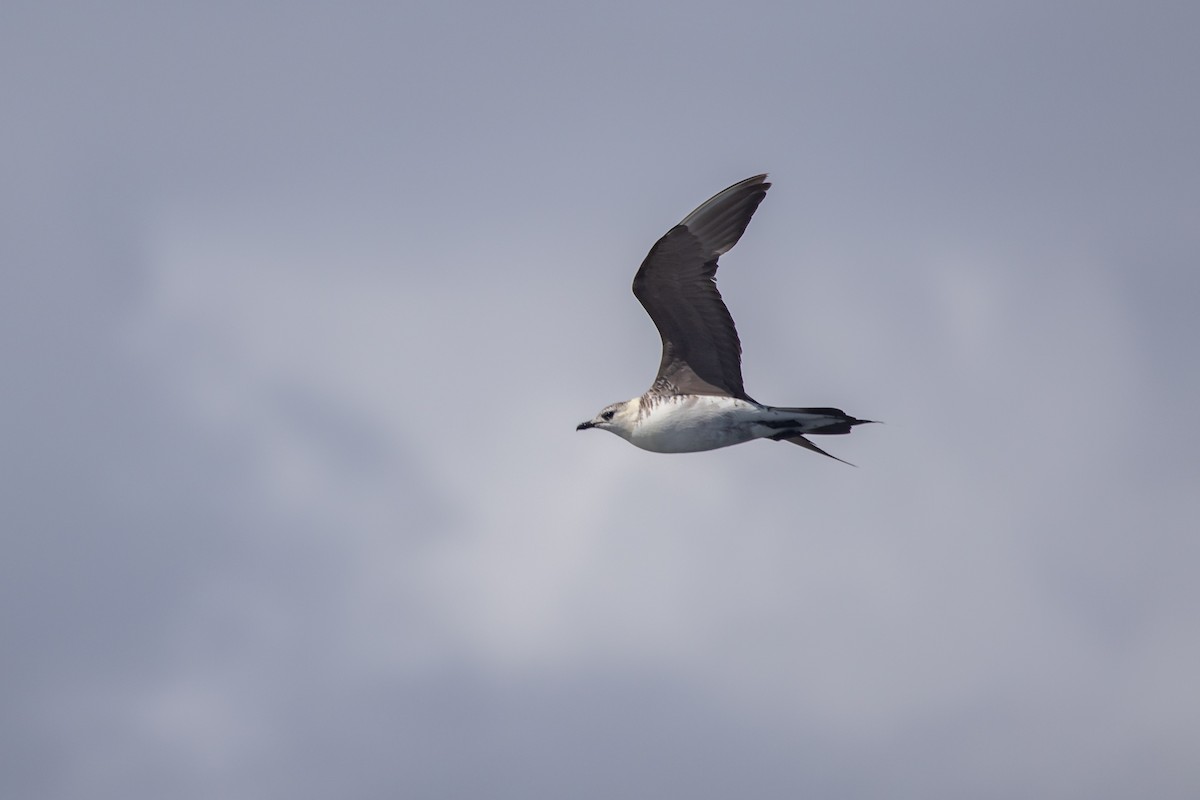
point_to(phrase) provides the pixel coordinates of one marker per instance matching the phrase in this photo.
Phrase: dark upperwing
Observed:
(677, 286)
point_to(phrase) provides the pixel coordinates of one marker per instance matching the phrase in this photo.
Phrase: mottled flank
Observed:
(660, 392)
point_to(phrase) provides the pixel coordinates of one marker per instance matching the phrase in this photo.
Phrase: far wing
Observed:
(677, 286)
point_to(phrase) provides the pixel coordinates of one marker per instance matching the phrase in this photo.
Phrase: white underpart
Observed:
(692, 423)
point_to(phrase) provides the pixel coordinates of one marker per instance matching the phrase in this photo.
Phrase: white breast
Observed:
(691, 423)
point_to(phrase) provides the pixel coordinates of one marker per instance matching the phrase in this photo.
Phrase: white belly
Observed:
(691, 424)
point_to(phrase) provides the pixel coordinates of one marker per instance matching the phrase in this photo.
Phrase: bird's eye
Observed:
(607, 415)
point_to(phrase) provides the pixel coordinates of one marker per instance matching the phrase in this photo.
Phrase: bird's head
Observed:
(618, 418)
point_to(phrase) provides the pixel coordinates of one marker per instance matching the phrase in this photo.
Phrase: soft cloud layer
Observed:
(304, 306)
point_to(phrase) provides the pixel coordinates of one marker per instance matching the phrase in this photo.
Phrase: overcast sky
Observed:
(301, 304)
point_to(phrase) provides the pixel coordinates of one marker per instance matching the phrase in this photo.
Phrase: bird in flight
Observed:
(697, 401)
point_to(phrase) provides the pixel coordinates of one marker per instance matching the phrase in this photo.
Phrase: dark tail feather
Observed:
(800, 440)
(839, 421)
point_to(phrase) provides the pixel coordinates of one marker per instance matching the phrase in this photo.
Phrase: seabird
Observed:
(697, 401)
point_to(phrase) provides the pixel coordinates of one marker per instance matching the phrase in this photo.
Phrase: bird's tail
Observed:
(822, 421)
(819, 421)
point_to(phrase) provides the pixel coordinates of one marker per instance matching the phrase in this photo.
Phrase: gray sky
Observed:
(301, 304)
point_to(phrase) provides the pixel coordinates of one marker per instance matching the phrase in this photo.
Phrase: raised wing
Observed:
(677, 286)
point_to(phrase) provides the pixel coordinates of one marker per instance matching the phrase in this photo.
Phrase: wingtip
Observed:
(721, 220)
(805, 443)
